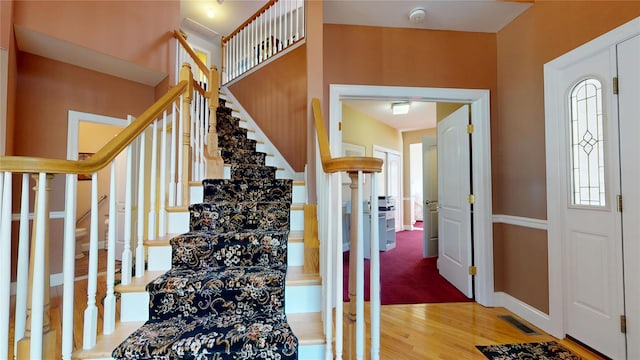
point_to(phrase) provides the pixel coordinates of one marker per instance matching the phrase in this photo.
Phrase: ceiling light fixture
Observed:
(210, 13)
(400, 108)
(417, 15)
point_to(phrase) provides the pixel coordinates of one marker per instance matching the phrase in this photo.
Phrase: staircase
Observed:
(221, 289)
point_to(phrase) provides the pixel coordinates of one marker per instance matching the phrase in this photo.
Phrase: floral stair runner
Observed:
(224, 295)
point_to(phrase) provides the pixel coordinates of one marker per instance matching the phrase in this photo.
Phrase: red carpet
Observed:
(406, 277)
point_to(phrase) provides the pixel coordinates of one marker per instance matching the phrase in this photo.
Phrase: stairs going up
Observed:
(224, 296)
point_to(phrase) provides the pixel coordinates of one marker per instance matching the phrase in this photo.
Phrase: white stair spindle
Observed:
(179, 194)
(153, 183)
(22, 273)
(335, 181)
(192, 131)
(110, 298)
(280, 25)
(140, 204)
(91, 312)
(374, 288)
(297, 21)
(5, 259)
(172, 157)
(162, 213)
(360, 275)
(69, 262)
(37, 290)
(128, 201)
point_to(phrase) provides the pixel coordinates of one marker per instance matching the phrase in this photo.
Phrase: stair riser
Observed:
(298, 299)
(298, 192)
(229, 191)
(239, 216)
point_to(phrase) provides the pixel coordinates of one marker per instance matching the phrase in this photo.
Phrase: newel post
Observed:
(185, 74)
(215, 164)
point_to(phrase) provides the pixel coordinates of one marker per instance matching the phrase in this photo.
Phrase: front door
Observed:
(454, 188)
(594, 294)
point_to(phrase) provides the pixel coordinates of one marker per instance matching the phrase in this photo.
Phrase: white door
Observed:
(394, 172)
(430, 196)
(454, 187)
(592, 240)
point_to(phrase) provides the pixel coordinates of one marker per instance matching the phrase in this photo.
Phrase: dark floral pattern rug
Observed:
(223, 298)
(550, 350)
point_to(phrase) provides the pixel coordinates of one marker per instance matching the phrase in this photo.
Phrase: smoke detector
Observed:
(417, 15)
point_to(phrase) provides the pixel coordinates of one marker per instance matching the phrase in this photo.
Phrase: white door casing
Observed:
(481, 155)
(430, 196)
(563, 234)
(628, 57)
(454, 214)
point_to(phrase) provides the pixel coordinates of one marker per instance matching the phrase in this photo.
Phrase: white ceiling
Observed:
(422, 114)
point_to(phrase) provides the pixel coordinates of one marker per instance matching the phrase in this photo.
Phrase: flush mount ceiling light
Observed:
(400, 108)
(417, 15)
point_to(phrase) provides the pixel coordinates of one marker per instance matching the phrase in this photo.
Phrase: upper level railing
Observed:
(330, 235)
(160, 141)
(278, 25)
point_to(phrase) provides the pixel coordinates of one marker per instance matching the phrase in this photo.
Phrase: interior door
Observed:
(394, 171)
(430, 196)
(594, 294)
(454, 187)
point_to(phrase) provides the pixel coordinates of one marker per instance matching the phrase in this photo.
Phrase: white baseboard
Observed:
(525, 311)
(520, 221)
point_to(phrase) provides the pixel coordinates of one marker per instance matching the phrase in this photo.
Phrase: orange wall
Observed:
(276, 98)
(136, 31)
(46, 91)
(545, 31)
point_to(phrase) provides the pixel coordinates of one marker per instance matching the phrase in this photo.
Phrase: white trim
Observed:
(520, 221)
(480, 117)
(554, 97)
(289, 173)
(74, 119)
(524, 310)
(52, 215)
(54, 280)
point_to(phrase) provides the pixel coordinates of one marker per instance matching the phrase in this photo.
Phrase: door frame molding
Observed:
(554, 95)
(481, 158)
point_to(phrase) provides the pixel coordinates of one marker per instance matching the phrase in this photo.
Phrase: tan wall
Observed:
(361, 129)
(136, 31)
(7, 43)
(545, 31)
(276, 98)
(520, 264)
(46, 91)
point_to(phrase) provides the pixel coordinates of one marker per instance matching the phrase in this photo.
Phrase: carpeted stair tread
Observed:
(241, 248)
(240, 335)
(243, 157)
(248, 171)
(250, 189)
(229, 216)
(203, 291)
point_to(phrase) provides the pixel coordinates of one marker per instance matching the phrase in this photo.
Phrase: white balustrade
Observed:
(5, 260)
(140, 220)
(162, 212)
(22, 273)
(276, 28)
(109, 322)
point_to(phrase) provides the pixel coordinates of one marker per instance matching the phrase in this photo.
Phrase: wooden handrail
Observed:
(347, 163)
(178, 35)
(104, 156)
(249, 20)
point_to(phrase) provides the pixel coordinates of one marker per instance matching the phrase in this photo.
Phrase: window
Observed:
(587, 144)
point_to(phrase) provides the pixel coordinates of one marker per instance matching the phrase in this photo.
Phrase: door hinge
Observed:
(615, 85)
(623, 324)
(619, 202)
(470, 128)
(340, 126)
(472, 199)
(472, 270)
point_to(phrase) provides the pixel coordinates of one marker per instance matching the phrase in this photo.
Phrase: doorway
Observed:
(479, 103)
(592, 234)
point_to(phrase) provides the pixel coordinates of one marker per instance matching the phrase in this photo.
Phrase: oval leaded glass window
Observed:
(587, 144)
